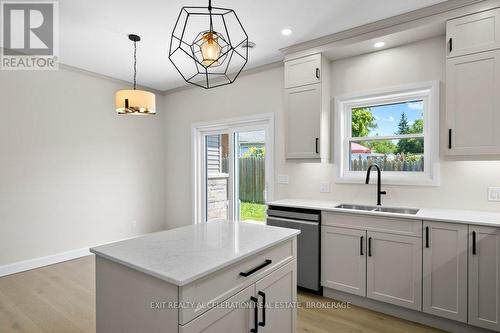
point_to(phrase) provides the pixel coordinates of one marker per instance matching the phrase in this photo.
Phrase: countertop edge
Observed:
(424, 214)
(181, 283)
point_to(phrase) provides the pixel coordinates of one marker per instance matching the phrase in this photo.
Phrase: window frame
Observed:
(428, 92)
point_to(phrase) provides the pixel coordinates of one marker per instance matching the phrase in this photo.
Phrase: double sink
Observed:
(406, 211)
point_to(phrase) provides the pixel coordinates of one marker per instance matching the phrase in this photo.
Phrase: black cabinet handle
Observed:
(427, 237)
(474, 243)
(449, 138)
(263, 322)
(317, 145)
(451, 44)
(317, 73)
(255, 315)
(361, 246)
(258, 268)
(369, 246)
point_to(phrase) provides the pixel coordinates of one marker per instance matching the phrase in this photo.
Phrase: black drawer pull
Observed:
(317, 145)
(258, 268)
(317, 73)
(369, 246)
(255, 315)
(427, 237)
(449, 138)
(451, 45)
(361, 246)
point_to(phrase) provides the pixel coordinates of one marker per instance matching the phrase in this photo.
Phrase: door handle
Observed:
(361, 246)
(255, 315)
(263, 322)
(369, 246)
(427, 237)
(474, 250)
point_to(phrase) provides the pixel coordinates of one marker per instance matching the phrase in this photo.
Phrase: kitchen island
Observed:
(212, 277)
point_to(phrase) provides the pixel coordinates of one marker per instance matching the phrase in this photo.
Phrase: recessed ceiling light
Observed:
(379, 44)
(286, 32)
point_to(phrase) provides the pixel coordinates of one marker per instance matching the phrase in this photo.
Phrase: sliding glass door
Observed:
(235, 171)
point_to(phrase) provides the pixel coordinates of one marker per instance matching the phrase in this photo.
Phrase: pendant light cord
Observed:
(135, 63)
(210, 14)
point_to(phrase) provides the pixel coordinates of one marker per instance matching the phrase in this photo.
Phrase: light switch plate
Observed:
(283, 179)
(493, 193)
(324, 187)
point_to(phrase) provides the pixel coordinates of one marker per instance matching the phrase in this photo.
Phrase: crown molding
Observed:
(395, 23)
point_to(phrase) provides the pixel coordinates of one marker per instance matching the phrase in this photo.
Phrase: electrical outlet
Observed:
(493, 193)
(283, 179)
(324, 187)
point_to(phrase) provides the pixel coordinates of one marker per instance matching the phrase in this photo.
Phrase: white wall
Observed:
(73, 173)
(463, 184)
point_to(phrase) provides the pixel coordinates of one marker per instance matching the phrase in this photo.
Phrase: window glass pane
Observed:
(388, 119)
(217, 177)
(390, 155)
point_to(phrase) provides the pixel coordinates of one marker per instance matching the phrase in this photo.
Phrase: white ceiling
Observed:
(93, 33)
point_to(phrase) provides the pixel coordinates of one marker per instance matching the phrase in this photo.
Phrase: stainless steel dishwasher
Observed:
(308, 221)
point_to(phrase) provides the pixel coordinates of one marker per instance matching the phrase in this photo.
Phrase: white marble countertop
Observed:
(183, 255)
(430, 214)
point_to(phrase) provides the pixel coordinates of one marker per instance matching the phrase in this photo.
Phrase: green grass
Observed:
(252, 211)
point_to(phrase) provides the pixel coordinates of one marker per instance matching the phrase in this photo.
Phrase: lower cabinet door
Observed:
(236, 317)
(276, 294)
(484, 279)
(343, 259)
(394, 269)
(445, 270)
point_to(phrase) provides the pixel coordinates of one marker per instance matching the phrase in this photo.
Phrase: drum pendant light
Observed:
(135, 102)
(208, 46)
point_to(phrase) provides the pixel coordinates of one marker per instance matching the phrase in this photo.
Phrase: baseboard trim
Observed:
(27, 265)
(407, 314)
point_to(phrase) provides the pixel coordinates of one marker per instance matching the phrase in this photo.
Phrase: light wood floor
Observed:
(60, 299)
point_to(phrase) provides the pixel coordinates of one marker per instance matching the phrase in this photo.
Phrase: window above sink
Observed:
(395, 128)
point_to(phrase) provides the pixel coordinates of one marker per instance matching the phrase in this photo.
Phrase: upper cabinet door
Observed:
(473, 104)
(445, 270)
(343, 259)
(484, 277)
(303, 71)
(473, 33)
(303, 121)
(279, 287)
(394, 269)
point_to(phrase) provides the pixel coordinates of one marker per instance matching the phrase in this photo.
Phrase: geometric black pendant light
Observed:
(208, 46)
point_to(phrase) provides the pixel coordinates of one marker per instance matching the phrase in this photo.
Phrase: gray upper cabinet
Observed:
(473, 104)
(484, 279)
(307, 108)
(445, 270)
(303, 71)
(472, 85)
(473, 33)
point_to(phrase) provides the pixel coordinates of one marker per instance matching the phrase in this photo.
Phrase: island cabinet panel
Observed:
(220, 285)
(484, 277)
(131, 301)
(445, 270)
(225, 319)
(277, 293)
(394, 269)
(343, 261)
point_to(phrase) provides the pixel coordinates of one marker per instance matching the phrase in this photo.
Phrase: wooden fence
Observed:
(252, 179)
(360, 164)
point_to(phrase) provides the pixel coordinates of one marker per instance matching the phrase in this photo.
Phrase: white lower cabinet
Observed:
(445, 270)
(262, 307)
(343, 265)
(394, 269)
(484, 279)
